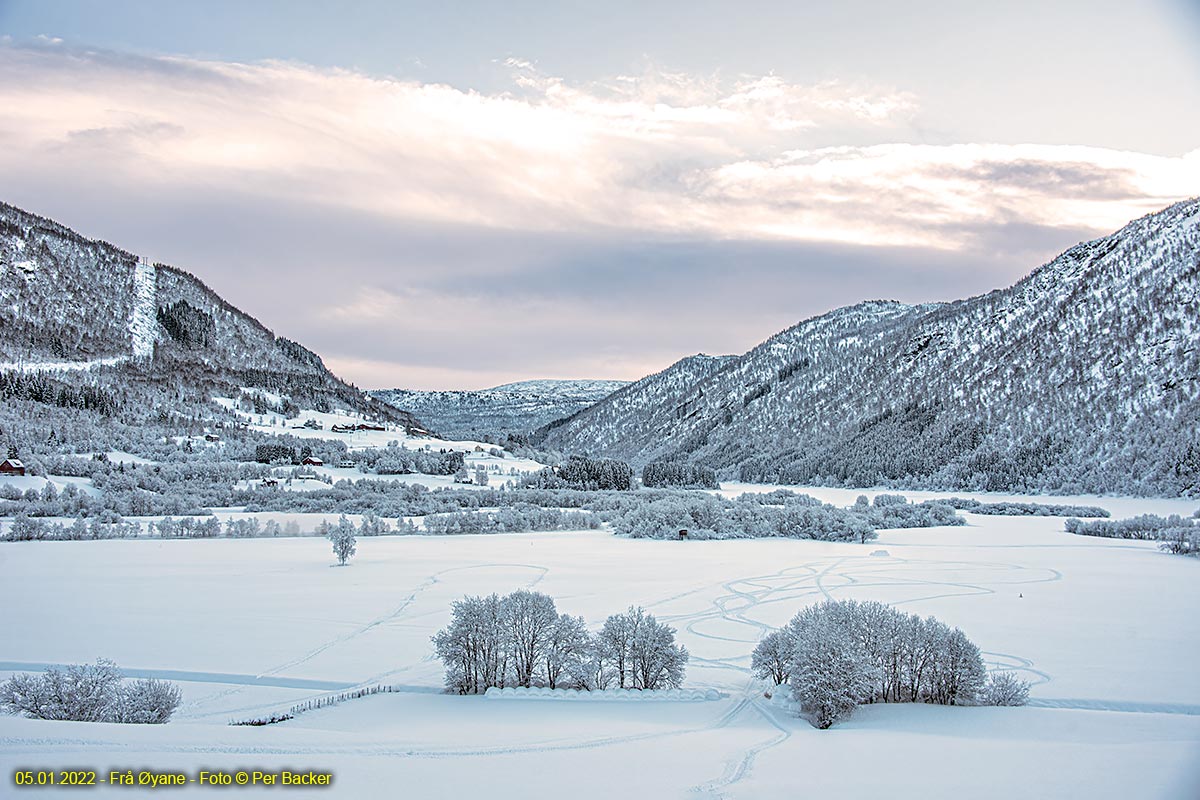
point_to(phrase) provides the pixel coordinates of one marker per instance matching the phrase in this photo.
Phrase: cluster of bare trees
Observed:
(522, 640)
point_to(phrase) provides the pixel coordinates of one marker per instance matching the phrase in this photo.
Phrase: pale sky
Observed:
(456, 195)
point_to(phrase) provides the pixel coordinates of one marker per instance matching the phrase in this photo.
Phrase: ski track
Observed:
(737, 769)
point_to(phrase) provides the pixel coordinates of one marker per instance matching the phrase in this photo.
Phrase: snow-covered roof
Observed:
(12, 462)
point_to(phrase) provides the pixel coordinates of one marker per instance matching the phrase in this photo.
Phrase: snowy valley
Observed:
(206, 505)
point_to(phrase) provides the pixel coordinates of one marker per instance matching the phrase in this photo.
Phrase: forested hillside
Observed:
(1084, 376)
(81, 315)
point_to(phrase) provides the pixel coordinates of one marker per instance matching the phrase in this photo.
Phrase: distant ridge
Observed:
(513, 408)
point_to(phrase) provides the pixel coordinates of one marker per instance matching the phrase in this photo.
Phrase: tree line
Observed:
(1174, 534)
(683, 475)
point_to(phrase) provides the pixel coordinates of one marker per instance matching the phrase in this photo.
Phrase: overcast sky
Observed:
(461, 194)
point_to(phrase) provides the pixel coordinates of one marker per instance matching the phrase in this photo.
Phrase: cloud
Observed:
(556, 229)
(659, 152)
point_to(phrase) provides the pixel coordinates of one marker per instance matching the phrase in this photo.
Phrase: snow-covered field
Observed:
(1105, 628)
(363, 439)
(38, 483)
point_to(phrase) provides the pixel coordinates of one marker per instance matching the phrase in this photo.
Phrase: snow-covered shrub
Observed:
(145, 702)
(892, 514)
(514, 519)
(372, 525)
(1004, 689)
(707, 516)
(1182, 541)
(1014, 509)
(89, 693)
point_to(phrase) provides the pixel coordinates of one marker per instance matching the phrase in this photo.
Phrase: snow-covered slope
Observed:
(511, 408)
(68, 303)
(1084, 376)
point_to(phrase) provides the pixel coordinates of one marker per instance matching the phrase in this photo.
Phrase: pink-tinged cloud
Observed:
(658, 152)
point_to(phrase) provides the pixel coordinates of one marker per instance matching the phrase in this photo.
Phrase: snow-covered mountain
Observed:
(512, 408)
(72, 306)
(1084, 376)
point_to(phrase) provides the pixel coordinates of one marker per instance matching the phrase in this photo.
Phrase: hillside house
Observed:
(313, 461)
(11, 466)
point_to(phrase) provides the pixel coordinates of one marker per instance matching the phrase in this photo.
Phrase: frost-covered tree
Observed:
(343, 539)
(772, 658)
(474, 646)
(481, 476)
(597, 671)
(830, 673)
(529, 620)
(657, 662)
(642, 650)
(957, 674)
(615, 640)
(567, 653)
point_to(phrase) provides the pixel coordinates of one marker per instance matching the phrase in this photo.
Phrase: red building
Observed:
(11, 466)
